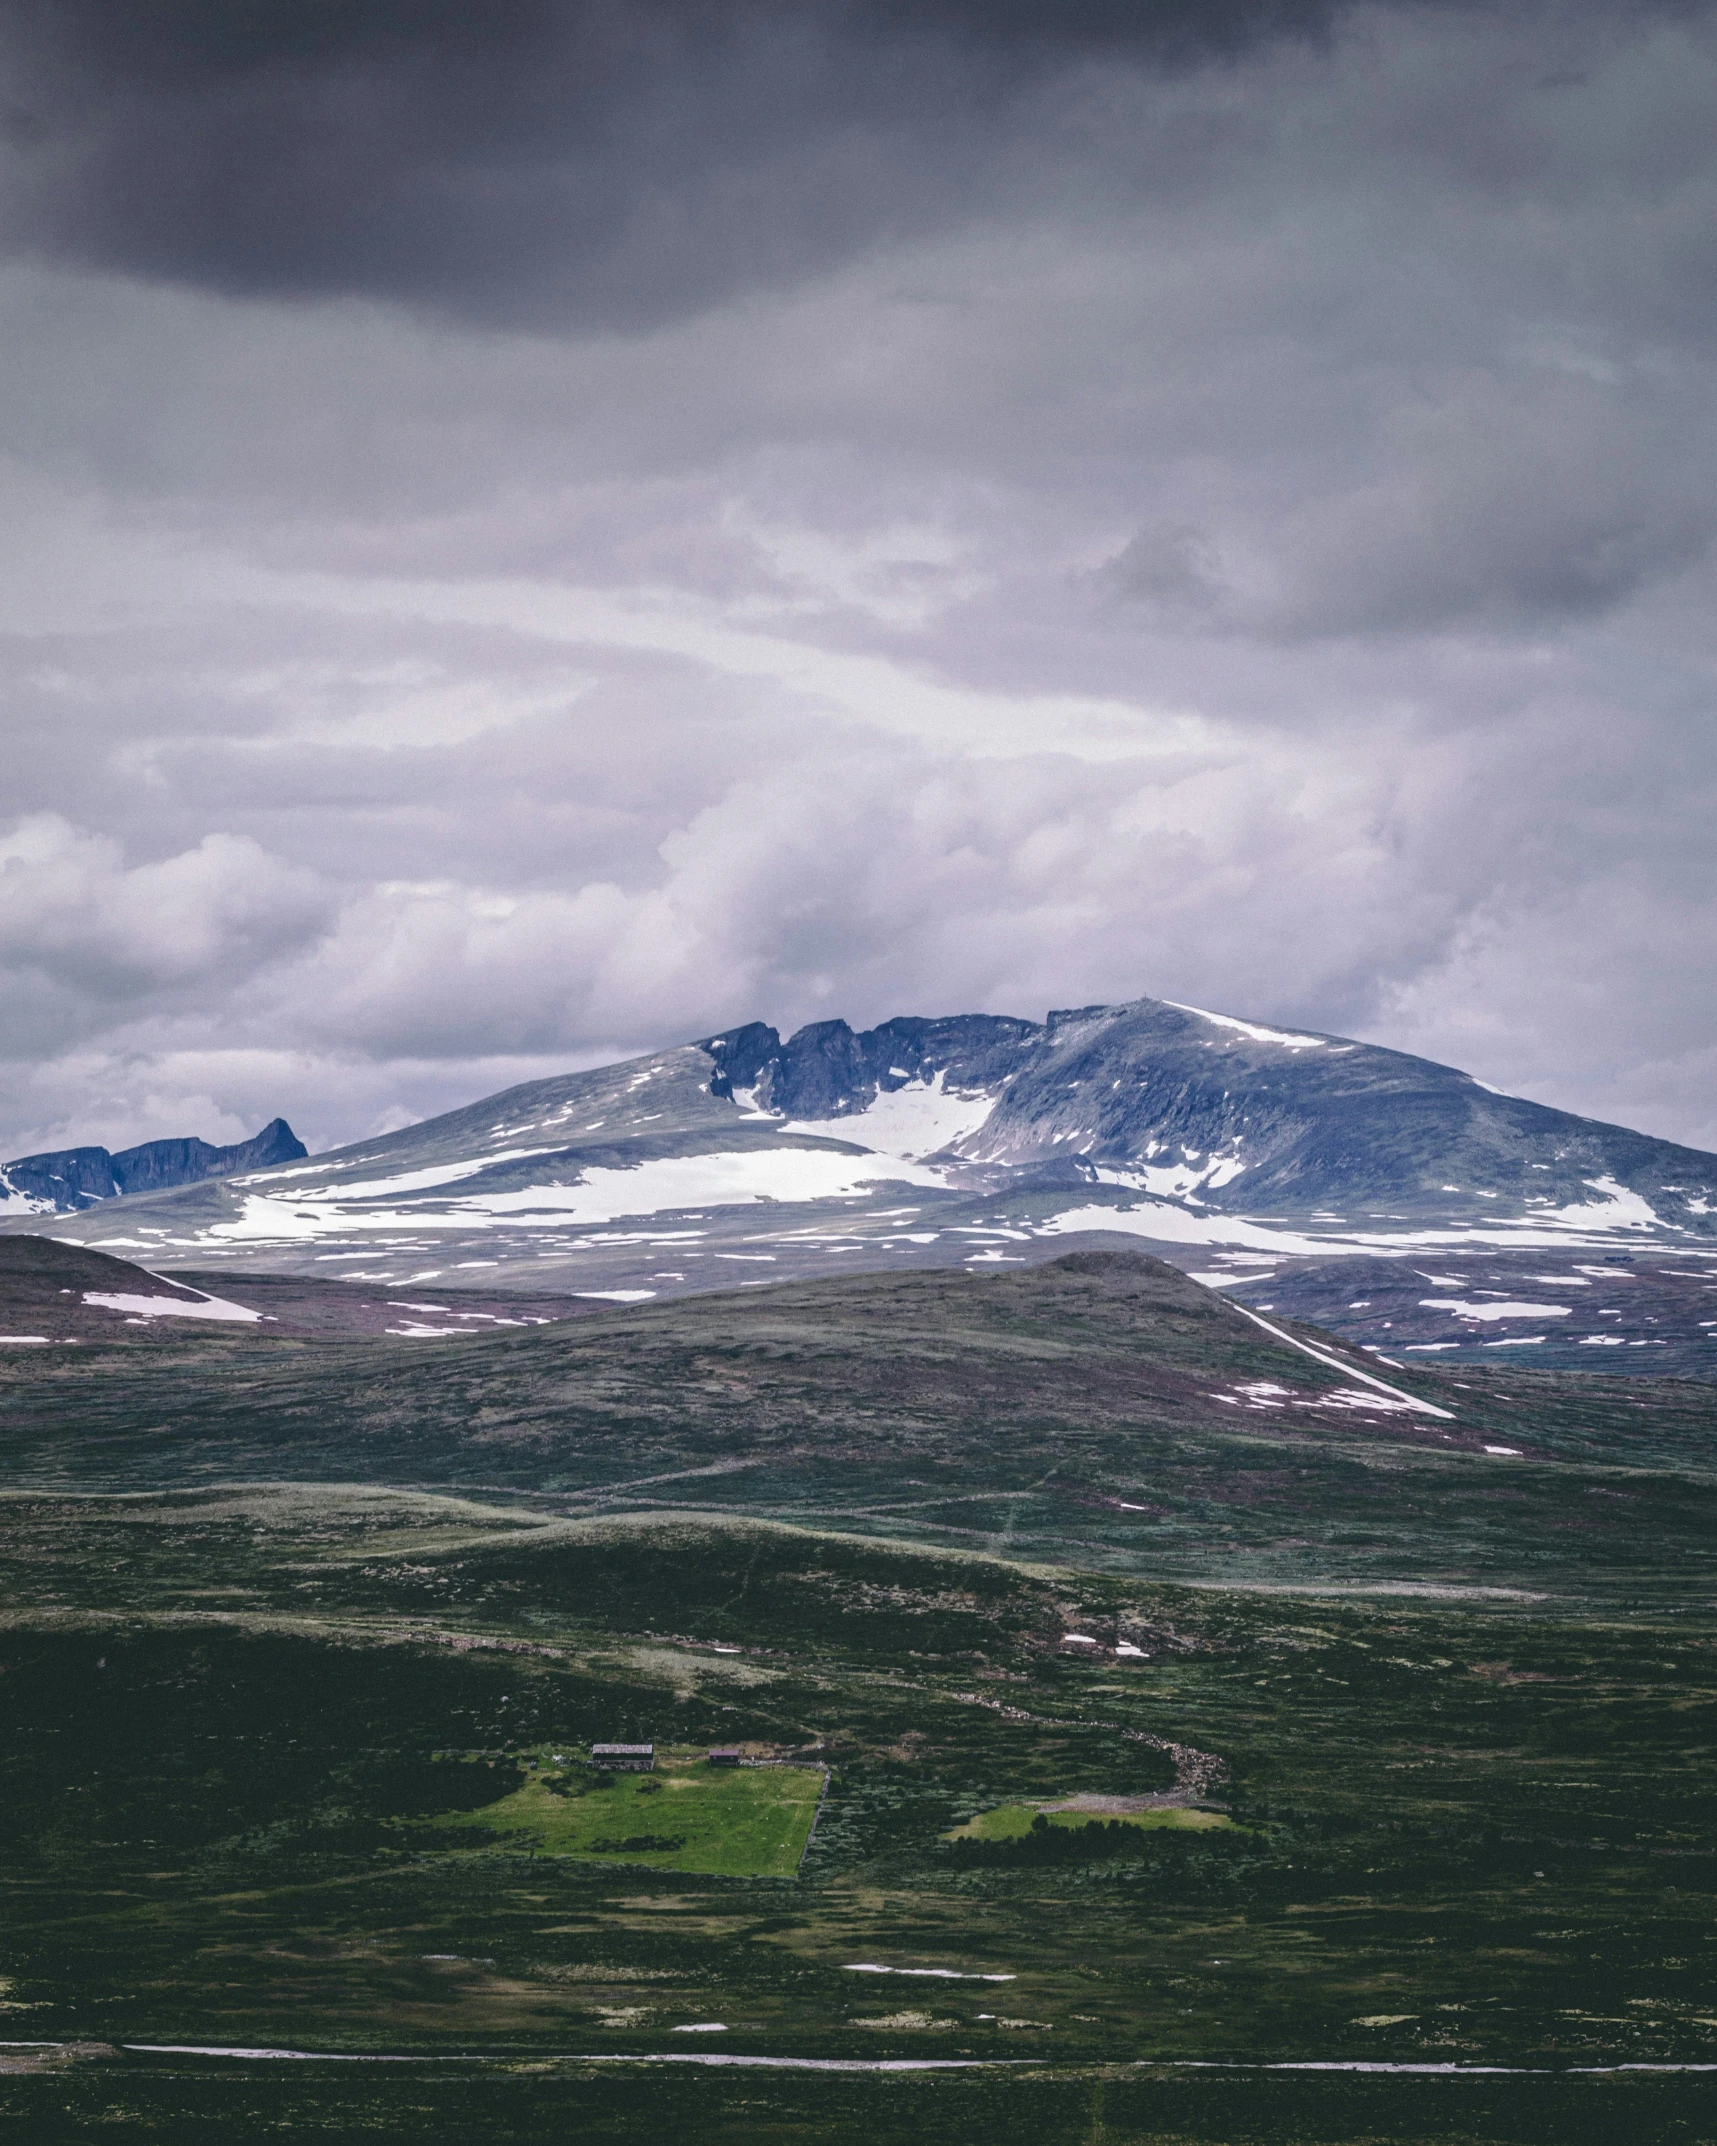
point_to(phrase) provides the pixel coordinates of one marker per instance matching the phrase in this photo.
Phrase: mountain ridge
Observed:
(1310, 1135)
(1231, 1147)
(67, 1180)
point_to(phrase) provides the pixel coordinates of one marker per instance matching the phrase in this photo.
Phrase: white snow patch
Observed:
(674, 1182)
(24, 1341)
(1618, 1209)
(920, 1119)
(171, 1307)
(14, 1202)
(1174, 1181)
(1290, 1039)
(1353, 1397)
(617, 1296)
(1179, 1225)
(941, 1974)
(1463, 1309)
(1174, 1225)
(317, 1168)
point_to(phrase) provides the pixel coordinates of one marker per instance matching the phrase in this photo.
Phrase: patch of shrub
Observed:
(419, 1788)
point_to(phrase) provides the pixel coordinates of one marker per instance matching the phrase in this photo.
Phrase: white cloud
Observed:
(75, 917)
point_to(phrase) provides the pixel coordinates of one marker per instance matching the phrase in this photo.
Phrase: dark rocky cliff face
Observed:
(74, 1178)
(829, 1069)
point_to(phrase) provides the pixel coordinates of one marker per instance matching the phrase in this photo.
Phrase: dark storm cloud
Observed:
(604, 162)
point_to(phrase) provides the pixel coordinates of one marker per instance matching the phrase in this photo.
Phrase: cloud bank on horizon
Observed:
(539, 531)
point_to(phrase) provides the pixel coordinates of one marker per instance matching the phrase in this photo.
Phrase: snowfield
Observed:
(664, 1184)
(908, 1123)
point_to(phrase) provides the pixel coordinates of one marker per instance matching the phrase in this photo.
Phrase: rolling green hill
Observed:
(1102, 1410)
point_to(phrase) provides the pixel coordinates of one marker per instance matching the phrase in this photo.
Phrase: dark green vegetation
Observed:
(1103, 1410)
(530, 2103)
(265, 1750)
(227, 1821)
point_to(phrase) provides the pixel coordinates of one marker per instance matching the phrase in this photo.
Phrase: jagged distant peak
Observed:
(66, 1180)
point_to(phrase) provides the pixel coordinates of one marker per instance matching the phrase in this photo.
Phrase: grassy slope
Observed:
(1092, 1411)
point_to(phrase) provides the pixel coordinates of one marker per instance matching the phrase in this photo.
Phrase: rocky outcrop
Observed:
(67, 1179)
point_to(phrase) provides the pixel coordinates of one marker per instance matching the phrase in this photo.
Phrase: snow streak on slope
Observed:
(1291, 1039)
(666, 1184)
(1592, 1223)
(157, 1307)
(446, 1173)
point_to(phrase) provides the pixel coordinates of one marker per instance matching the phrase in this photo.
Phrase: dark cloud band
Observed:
(541, 164)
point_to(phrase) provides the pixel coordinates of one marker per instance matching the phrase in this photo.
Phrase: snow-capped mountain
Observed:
(70, 1179)
(1217, 1115)
(746, 1157)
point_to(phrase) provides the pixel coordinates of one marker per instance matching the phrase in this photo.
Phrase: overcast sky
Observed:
(537, 531)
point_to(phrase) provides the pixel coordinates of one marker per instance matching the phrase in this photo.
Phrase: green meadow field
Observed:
(749, 1822)
(1015, 1821)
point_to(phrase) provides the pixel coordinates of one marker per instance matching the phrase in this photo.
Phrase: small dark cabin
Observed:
(724, 1754)
(623, 1758)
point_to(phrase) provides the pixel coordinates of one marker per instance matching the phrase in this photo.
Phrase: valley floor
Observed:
(1460, 1836)
(1373, 1745)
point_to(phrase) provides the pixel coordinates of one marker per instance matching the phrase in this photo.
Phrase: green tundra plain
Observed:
(302, 1646)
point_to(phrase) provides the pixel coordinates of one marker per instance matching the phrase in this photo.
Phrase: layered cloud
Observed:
(539, 531)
